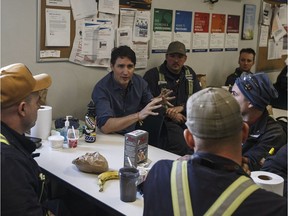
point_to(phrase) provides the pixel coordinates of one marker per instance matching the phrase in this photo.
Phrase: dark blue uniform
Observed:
(209, 175)
(232, 77)
(176, 82)
(264, 134)
(20, 183)
(179, 84)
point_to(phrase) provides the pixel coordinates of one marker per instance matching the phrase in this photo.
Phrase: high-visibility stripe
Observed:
(180, 189)
(186, 190)
(173, 180)
(189, 78)
(247, 192)
(161, 75)
(3, 139)
(226, 204)
(241, 187)
(190, 87)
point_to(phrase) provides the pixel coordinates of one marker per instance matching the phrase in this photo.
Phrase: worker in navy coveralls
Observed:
(213, 180)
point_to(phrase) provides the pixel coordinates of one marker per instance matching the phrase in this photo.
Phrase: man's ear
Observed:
(250, 105)
(245, 131)
(166, 55)
(185, 58)
(189, 139)
(22, 108)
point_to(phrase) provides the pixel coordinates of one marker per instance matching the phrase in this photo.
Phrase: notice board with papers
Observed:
(49, 50)
(264, 63)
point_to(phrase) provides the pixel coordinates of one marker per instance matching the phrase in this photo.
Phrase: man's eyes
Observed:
(246, 60)
(130, 66)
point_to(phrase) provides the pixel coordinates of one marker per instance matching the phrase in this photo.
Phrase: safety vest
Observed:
(162, 82)
(226, 204)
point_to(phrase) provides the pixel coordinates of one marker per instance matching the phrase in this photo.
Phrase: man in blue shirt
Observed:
(122, 98)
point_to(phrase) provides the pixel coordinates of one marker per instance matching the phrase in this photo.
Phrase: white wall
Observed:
(72, 84)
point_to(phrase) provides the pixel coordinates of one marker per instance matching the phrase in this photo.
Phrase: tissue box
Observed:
(136, 147)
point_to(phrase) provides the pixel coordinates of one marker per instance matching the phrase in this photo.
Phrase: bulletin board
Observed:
(263, 64)
(269, 65)
(41, 31)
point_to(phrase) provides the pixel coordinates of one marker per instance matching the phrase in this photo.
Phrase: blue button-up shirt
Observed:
(113, 101)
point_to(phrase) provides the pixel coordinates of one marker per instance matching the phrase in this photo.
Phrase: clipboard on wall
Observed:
(52, 53)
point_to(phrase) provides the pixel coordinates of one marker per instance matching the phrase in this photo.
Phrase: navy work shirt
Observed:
(208, 176)
(264, 134)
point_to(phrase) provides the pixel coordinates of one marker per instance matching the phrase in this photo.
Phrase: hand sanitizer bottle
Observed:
(65, 129)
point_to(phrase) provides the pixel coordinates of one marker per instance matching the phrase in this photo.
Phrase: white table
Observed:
(58, 162)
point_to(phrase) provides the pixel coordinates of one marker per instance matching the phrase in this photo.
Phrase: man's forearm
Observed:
(117, 124)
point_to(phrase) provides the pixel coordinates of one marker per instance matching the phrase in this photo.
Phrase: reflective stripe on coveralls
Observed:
(3, 139)
(226, 204)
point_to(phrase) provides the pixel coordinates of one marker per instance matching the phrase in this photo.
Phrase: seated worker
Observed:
(254, 92)
(278, 164)
(182, 80)
(281, 87)
(21, 179)
(246, 61)
(199, 186)
(122, 98)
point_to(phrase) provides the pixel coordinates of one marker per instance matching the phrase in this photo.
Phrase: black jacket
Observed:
(177, 83)
(232, 77)
(21, 185)
(264, 134)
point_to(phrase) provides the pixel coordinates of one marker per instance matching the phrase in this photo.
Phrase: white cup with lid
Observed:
(56, 141)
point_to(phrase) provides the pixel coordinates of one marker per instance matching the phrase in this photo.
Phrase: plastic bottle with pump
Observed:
(65, 128)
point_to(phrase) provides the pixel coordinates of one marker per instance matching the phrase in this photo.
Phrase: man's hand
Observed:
(245, 167)
(174, 113)
(148, 109)
(173, 110)
(165, 95)
(177, 117)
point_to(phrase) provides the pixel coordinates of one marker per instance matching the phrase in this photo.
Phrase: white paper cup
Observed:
(56, 141)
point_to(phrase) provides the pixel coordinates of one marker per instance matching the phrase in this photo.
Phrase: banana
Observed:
(105, 176)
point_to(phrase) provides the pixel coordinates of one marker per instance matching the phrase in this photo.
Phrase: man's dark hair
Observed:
(248, 50)
(121, 52)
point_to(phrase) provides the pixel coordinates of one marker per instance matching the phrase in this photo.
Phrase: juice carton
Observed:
(136, 148)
